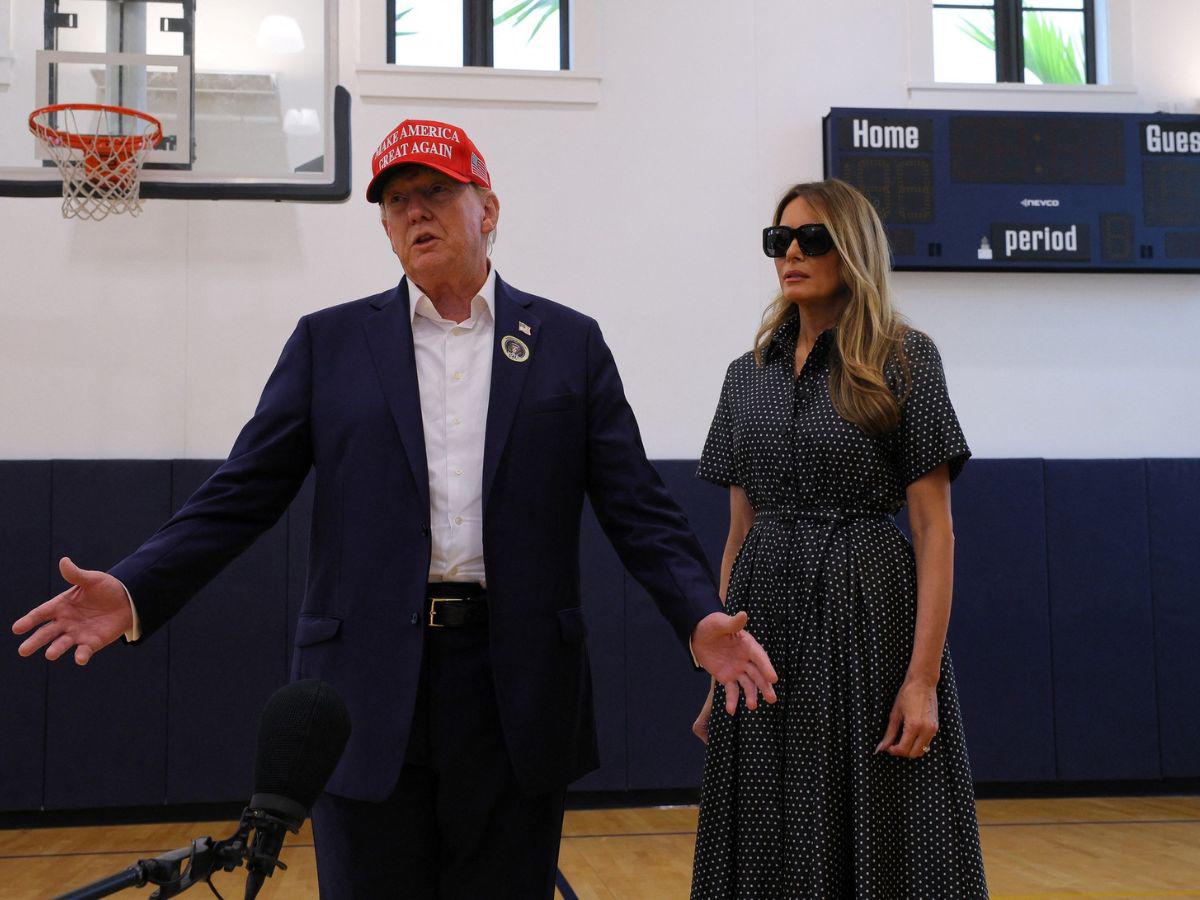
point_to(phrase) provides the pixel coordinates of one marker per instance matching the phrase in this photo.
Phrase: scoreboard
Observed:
(1069, 192)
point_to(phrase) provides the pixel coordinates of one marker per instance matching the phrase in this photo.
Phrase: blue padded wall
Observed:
(24, 544)
(1000, 625)
(228, 653)
(106, 722)
(1098, 563)
(1174, 491)
(1077, 615)
(665, 692)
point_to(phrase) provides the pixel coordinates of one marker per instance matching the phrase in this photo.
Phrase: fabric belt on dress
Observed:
(455, 604)
(832, 519)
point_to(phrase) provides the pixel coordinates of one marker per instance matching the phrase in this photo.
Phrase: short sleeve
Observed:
(718, 461)
(929, 433)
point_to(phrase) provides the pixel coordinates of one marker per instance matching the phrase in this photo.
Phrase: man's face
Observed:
(438, 226)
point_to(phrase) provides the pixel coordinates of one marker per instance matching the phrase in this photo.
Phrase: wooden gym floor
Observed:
(1033, 849)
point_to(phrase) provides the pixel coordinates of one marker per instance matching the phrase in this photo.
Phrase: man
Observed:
(455, 424)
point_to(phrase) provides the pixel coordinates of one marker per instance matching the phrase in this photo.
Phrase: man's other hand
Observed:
(731, 655)
(88, 616)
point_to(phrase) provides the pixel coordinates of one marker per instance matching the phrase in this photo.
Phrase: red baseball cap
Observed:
(427, 143)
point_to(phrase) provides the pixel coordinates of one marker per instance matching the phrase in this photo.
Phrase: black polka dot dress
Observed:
(795, 803)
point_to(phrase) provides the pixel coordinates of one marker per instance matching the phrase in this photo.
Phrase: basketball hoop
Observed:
(101, 166)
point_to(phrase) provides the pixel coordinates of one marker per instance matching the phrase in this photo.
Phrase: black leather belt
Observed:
(455, 604)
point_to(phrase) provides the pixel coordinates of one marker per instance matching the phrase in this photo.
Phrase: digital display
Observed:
(1116, 237)
(1036, 150)
(1037, 191)
(1183, 245)
(1171, 192)
(900, 188)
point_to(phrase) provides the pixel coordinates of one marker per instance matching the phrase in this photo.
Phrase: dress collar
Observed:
(783, 338)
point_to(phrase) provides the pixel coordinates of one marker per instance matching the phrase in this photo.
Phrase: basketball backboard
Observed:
(245, 90)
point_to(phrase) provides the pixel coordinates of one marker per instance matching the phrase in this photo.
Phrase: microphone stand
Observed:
(178, 870)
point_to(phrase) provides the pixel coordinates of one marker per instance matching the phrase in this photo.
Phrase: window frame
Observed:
(1010, 43)
(478, 28)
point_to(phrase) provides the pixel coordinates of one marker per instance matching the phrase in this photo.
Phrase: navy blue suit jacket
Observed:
(343, 398)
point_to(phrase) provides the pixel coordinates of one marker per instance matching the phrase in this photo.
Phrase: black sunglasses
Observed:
(814, 240)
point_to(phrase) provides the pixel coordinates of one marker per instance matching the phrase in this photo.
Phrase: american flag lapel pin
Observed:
(525, 329)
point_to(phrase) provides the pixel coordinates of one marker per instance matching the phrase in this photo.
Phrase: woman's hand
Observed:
(700, 726)
(914, 720)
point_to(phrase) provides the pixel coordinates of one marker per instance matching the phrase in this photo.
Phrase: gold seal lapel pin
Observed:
(514, 348)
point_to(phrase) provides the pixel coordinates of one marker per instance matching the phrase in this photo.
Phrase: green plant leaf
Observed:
(973, 31)
(542, 21)
(1050, 54)
(518, 8)
(400, 15)
(523, 9)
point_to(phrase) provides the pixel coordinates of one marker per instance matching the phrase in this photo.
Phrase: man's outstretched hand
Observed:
(731, 655)
(88, 616)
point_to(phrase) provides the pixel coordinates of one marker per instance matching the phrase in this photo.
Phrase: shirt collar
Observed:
(783, 338)
(484, 301)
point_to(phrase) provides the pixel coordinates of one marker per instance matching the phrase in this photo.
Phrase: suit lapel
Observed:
(508, 377)
(390, 337)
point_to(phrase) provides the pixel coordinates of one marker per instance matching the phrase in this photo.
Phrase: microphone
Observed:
(301, 736)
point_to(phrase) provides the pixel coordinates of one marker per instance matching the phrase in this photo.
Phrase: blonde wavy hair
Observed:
(870, 332)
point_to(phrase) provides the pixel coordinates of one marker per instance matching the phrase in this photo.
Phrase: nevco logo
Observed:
(1024, 240)
(885, 133)
(1027, 202)
(1171, 139)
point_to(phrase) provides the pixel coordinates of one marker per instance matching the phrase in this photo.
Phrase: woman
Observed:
(855, 782)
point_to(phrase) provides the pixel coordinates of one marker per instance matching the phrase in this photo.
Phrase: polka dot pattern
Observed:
(794, 802)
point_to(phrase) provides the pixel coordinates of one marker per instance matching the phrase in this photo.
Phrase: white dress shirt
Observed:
(454, 376)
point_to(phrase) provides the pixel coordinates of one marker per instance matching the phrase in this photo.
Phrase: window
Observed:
(1031, 41)
(502, 34)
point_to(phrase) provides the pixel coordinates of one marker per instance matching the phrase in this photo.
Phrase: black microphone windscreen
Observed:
(301, 736)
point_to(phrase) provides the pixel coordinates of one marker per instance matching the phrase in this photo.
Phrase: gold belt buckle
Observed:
(433, 602)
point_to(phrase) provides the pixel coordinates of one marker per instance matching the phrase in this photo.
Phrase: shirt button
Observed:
(456, 421)
(458, 376)
(458, 471)
(458, 520)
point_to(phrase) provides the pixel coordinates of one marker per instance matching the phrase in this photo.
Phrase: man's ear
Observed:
(491, 212)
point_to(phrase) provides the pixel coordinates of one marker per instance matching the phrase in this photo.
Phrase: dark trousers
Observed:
(456, 825)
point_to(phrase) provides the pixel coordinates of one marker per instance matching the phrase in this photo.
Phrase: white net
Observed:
(99, 150)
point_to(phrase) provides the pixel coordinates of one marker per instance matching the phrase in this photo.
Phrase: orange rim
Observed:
(103, 145)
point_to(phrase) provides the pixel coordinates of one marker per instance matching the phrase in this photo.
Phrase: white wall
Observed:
(151, 337)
